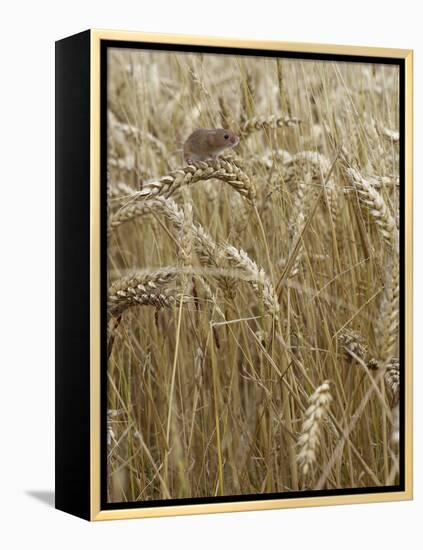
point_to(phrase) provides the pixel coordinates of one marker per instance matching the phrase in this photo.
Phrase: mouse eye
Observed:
(226, 136)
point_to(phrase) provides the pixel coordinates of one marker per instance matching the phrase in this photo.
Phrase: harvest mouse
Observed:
(208, 144)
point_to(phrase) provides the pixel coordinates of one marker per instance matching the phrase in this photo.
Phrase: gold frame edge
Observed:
(95, 255)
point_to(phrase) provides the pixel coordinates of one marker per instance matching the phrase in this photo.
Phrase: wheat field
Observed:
(253, 299)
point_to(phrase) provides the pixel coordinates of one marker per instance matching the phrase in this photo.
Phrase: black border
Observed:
(104, 45)
(72, 274)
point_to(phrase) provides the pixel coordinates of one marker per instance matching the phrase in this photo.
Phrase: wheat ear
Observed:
(395, 434)
(158, 289)
(309, 441)
(131, 131)
(375, 203)
(219, 169)
(208, 252)
(352, 344)
(203, 242)
(258, 123)
(239, 260)
(390, 135)
(118, 194)
(388, 322)
(392, 377)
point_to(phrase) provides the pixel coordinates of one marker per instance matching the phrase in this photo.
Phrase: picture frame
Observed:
(103, 473)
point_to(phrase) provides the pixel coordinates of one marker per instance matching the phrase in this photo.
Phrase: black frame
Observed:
(72, 203)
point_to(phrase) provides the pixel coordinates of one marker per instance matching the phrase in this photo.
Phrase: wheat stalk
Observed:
(131, 131)
(186, 235)
(123, 164)
(391, 374)
(375, 203)
(219, 169)
(392, 377)
(255, 275)
(388, 321)
(311, 167)
(383, 181)
(203, 242)
(319, 162)
(208, 252)
(268, 160)
(118, 194)
(284, 98)
(297, 223)
(302, 200)
(247, 96)
(391, 135)
(395, 434)
(241, 217)
(352, 344)
(204, 245)
(258, 123)
(309, 441)
(155, 288)
(226, 115)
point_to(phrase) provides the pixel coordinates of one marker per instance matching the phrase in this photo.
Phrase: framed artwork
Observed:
(233, 275)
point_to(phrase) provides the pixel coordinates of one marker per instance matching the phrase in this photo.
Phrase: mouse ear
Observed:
(210, 137)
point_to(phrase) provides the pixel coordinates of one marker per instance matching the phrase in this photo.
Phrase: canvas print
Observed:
(253, 275)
